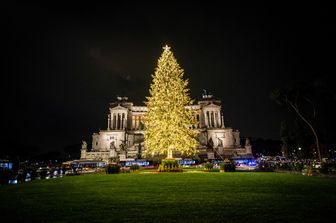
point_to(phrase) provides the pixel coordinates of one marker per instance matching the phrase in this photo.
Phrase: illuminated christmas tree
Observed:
(168, 122)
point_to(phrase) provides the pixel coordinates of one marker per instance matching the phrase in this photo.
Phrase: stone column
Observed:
(122, 120)
(215, 119)
(136, 122)
(118, 121)
(219, 119)
(212, 118)
(207, 119)
(108, 122)
(111, 121)
(223, 122)
(114, 121)
(125, 122)
(133, 122)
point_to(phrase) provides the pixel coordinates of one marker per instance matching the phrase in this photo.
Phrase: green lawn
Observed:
(175, 197)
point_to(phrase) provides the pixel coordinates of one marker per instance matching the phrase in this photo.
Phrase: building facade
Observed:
(124, 137)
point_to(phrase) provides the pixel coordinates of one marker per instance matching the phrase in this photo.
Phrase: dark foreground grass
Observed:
(179, 197)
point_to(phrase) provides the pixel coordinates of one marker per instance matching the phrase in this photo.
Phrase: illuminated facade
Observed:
(124, 137)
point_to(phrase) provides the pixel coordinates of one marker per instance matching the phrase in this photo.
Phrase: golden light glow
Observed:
(167, 121)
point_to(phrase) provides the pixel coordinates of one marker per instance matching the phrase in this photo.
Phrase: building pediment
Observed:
(118, 107)
(211, 105)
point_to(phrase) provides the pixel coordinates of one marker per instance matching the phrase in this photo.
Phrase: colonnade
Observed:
(136, 120)
(213, 119)
(117, 121)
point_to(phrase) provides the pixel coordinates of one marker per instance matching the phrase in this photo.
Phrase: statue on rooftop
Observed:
(84, 145)
(247, 142)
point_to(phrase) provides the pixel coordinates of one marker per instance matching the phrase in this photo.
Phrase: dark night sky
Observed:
(64, 64)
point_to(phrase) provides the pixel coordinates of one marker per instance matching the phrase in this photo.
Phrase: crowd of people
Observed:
(297, 165)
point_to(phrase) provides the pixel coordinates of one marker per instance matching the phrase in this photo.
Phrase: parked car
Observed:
(43, 173)
(13, 179)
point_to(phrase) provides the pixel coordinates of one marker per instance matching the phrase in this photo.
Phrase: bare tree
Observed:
(297, 98)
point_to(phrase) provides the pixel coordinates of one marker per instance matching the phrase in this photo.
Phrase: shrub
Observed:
(265, 167)
(328, 168)
(5, 176)
(134, 167)
(112, 168)
(170, 165)
(125, 170)
(298, 166)
(309, 170)
(208, 166)
(214, 170)
(228, 167)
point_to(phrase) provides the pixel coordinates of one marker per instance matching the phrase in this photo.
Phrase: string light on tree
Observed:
(167, 120)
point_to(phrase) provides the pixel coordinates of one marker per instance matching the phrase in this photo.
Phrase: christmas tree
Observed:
(168, 122)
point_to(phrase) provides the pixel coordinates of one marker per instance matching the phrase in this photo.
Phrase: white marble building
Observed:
(123, 139)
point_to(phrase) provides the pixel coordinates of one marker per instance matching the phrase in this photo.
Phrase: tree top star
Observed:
(166, 47)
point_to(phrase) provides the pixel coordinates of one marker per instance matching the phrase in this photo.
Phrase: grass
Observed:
(177, 197)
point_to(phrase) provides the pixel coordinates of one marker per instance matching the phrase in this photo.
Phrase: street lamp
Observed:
(299, 152)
